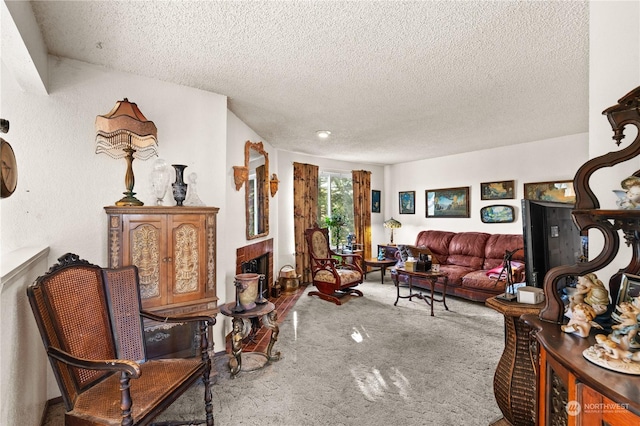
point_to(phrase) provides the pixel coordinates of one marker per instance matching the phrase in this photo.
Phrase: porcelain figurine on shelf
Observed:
(625, 332)
(581, 320)
(590, 290)
(629, 196)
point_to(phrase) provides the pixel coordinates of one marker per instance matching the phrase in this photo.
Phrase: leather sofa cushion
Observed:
(437, 242)
(467, 249)
(480, 280)
(496, 246)
(455, 273)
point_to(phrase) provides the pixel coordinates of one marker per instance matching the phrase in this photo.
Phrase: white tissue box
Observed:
(530, 295)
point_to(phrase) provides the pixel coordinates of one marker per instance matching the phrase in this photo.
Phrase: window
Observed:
(335, 201)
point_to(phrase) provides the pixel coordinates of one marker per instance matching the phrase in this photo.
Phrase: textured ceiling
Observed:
(393, 81)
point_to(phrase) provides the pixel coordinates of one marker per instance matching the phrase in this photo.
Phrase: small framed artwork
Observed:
(629, 288)
(498, 213)
(450, 202)
(559, 192)
(502, 190)
(407, 201)
(375, 201)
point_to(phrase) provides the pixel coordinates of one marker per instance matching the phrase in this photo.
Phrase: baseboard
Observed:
(47, 405)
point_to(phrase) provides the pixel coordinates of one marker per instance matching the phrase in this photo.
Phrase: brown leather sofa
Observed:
(466, 257)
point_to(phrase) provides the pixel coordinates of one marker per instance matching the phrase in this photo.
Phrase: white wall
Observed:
(63, 185)
(549, 160)
(286, 242)
(614, 70)
(26, 380)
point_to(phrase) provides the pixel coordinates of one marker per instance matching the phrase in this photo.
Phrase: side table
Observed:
(253, 360)
(381, 264)
(514, 382)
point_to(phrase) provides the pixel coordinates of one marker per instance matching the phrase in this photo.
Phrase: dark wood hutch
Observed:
(570, 389)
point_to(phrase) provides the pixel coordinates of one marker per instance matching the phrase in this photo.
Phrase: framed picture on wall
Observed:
(375, 201)
(407, 201)
(498, 213)
(501, 190)
(450, 202)
(560, 192)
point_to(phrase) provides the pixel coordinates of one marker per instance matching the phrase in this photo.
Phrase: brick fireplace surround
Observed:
(254, 251)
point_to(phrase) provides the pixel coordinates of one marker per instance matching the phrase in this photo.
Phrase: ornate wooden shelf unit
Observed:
(572, 390)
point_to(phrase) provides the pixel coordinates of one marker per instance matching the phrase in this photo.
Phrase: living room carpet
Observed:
(366, 362)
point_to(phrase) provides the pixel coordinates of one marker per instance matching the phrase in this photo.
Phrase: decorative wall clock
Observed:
(9, 172)
(9, 169)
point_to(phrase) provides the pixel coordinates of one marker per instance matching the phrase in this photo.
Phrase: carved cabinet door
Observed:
(144, 245)
(187, 266)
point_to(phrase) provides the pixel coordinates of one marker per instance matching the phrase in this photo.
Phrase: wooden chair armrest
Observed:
(178, 318)
(131, 368)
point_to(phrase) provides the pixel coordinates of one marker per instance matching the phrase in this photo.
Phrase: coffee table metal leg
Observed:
(396, 281)
(444, 292)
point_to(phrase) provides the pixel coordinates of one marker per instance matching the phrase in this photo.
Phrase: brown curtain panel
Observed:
(305, 213)
(362, 209)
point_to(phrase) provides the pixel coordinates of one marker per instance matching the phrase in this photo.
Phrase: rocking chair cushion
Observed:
(347, 276)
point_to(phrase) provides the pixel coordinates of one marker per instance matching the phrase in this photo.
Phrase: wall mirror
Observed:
(256, 187)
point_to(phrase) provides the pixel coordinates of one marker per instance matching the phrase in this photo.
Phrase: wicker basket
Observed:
(289, 282)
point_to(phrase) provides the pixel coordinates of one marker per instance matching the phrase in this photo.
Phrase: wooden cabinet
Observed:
(174, 249)
(572, 390)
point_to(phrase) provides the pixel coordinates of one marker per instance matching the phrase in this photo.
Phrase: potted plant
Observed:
(335, 222)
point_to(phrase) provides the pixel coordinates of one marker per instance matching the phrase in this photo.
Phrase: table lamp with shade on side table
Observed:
(392, 224)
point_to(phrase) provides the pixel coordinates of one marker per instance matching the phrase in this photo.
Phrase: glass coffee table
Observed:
(430, 276)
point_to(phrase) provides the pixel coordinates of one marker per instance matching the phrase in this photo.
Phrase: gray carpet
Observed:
(366, 363)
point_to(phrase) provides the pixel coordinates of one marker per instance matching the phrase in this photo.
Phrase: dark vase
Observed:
(179, 187)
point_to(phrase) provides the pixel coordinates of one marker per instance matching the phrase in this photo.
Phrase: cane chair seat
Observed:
(156, 382)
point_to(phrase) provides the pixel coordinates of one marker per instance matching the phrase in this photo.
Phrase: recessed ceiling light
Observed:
(323, 134)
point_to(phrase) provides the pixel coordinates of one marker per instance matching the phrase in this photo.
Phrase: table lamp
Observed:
(125, 132)
(392, 224)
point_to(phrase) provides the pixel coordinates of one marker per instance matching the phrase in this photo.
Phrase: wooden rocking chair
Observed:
(91, 323)
(334, 274)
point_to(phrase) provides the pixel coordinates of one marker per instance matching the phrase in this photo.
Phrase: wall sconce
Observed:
(125, 132)
(273, 184)
(240, 176)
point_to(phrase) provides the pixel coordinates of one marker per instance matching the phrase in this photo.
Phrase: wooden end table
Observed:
(381, 264)
(514, 382)
(430, 276)
(255, 360)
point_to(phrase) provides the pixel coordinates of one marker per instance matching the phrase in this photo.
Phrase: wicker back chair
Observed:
(334, 274)
(91, 323)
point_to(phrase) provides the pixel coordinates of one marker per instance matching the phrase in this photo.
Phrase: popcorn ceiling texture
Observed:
(393, 81)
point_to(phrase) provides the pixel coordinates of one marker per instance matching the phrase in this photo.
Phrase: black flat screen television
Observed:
(551, 239)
